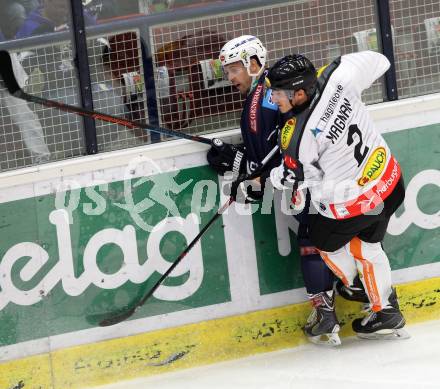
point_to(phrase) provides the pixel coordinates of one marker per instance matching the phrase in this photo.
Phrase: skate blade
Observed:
(395, 334)
(331, 339)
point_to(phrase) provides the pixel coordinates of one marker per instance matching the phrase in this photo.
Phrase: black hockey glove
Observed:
(247, 191)
(224, 157)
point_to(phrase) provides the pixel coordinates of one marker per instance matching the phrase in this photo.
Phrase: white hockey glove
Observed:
(288, 175)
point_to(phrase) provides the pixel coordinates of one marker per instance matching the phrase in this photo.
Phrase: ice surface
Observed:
(357, 364)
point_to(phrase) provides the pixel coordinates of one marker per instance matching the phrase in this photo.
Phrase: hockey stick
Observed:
(123, 314)
(7, 73)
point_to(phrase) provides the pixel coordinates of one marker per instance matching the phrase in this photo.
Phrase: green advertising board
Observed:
(68, 256)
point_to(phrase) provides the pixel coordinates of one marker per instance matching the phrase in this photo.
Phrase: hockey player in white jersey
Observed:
(330, 145)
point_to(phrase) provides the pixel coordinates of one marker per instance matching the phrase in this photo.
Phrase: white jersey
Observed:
(345, 162)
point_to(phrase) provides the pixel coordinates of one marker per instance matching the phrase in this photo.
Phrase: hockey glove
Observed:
(224, 157)
(247, 191)
(288, 175)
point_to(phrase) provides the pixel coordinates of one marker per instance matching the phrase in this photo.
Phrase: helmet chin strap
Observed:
(254, 83)
(254, 75)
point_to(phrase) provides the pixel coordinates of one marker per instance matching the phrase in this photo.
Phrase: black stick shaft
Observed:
(108, 118)
(220, 211)
(186, 251)
(7, 73)
(117, 318)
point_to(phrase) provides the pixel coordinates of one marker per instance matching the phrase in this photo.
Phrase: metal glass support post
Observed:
(385, 40)
(82, 65)
(150, 87)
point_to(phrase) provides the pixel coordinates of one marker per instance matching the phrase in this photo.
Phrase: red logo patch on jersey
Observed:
(290, 162)
(255, 105)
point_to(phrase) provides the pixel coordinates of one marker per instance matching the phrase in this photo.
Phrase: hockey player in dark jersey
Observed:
(330, 146)
(243, 61)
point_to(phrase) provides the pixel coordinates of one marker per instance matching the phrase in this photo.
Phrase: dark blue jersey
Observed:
(259, 121)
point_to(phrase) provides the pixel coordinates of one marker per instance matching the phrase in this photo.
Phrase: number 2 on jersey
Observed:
(359, 154)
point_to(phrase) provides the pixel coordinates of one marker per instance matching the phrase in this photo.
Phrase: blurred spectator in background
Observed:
(106, 10)
(159, 5)
(11, 18)
(102, 9)
(29, 5)
(25, 119)
(50, 16)
(108, 97)
(122, 58)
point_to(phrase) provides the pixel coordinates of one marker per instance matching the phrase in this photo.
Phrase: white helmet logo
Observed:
(242, 49)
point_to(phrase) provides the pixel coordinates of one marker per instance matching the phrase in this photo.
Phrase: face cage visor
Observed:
(287, 92)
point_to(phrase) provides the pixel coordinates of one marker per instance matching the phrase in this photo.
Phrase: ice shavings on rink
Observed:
(397, 364)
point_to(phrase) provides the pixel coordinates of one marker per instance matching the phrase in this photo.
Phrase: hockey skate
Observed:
(322, 326)
(386, 324)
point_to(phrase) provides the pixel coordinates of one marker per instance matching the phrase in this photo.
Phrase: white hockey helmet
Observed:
(242, 49)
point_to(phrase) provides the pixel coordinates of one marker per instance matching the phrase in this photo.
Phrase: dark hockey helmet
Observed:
(293, 72)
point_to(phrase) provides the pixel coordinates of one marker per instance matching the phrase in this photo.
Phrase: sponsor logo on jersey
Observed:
(330, 108)
(254, 108)
(369, 203)
(316, 131)
(389, 182)
(342, 210)
(287, 133)
(340, 121)
(268, 102)
(374, 167)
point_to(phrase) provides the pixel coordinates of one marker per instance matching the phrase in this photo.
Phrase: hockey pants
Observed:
(370, 261)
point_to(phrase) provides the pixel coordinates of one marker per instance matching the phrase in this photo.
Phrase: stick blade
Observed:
(110, 318)
(7, 72)
(116, 318)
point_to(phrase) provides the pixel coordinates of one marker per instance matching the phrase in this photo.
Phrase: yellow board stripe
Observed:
(195, 344)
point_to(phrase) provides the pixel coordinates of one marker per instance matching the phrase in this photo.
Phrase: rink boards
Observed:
(90, 236)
